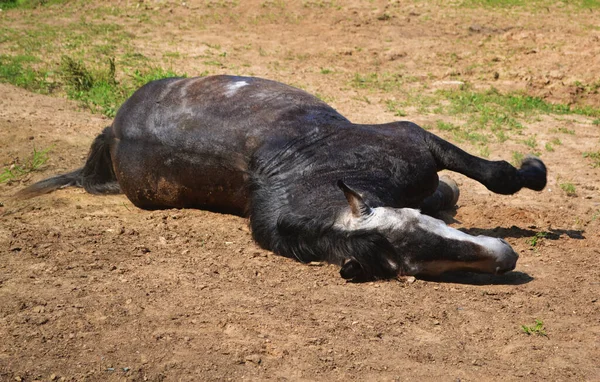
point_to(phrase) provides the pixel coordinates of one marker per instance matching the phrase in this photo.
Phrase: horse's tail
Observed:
(97, 176)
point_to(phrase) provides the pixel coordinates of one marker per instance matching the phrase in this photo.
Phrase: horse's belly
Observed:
(155, 176)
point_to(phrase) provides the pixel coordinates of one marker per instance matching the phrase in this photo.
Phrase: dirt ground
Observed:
(92, 288)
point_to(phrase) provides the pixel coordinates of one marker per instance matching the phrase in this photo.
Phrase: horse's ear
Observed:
(357, 204)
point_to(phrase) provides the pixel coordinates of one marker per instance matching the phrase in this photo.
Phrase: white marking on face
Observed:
(406, 219)
(499, 249)
(232, 87)
(381, 218)
(439, 228)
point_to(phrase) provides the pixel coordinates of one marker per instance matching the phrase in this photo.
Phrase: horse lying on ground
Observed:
(315, 186)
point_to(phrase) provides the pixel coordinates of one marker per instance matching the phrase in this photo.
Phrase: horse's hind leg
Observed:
(498, 176)
(444, 198)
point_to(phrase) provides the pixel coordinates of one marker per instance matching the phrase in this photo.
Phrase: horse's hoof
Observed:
(533, 173)
(451, 192)
(351, 270)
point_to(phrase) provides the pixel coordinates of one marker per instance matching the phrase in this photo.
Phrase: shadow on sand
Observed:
(515, 232)
(469, 278)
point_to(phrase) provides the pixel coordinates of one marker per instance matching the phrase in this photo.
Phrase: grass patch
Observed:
(10, 4)
(320, 4)
(484, 152)
(536, 238)
(463, 133)
(488, 110)
(537, 329)
(502, 109)
(497, 3)
(594, 157)
(517, 158)
(503, 113)
(395, 107)
(98, 89)
(32, 163)
(569, 188)
(540, 5)
(386, 82)
(554, 142)
(18, 70)
(530, 142)
(325, 98)
(564, 130)
(101, 88)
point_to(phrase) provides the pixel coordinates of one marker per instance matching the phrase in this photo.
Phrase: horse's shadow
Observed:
(469, 278)
(513, 231)
(517, 232)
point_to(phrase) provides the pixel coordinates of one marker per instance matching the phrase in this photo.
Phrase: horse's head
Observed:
(422, 244)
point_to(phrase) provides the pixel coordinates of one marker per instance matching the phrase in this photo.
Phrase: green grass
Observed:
(594, 157)
(502, 115)
(18, 170)
(97, 65)
(98, 89)
(540, 5)
(496, 3)
(536, 238)
(530, 142)
(386, 82)
(95, 87)
(517, 158)
(463, 133)
(395, 107)
(221, 4)
(484, 152)
(564, 130)
(495, 109)
(325, 98)
(320, 4)
(569, 188)
(273, 4)
(537, 329)
(10, 4)
(18, 70)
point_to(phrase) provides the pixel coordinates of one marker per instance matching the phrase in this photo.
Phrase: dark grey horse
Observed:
(314, 185)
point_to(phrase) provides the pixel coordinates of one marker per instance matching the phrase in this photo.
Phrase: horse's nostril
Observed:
(510, 251)
(508, 263)
(507, 259)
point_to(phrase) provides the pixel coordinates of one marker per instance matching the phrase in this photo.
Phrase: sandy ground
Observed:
(92, 288)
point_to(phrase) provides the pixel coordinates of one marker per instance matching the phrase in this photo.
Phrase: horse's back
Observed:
(186, 142)
(231, 111)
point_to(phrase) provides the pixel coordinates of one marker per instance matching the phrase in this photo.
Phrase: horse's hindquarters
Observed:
(155, 176)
